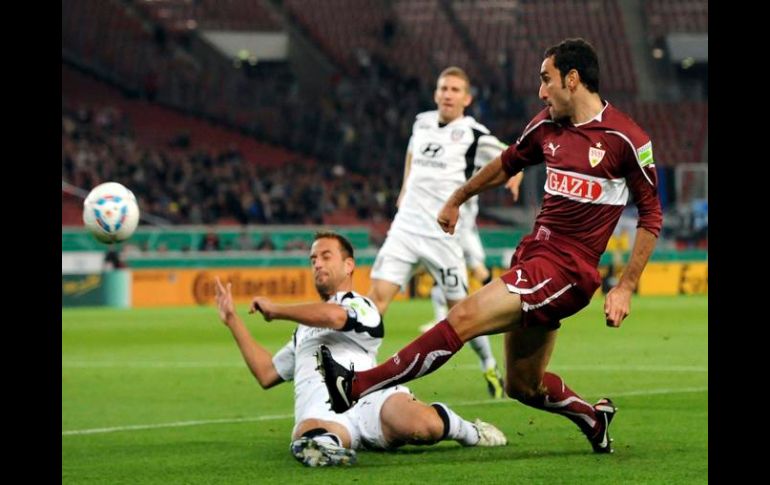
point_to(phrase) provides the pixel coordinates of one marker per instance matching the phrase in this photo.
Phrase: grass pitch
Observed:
(162, 396)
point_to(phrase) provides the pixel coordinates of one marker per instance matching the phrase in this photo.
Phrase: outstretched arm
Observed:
(492, 175)
(259, 360)
(513, 184)
(324, 315)
(642, 181)
(617, 303)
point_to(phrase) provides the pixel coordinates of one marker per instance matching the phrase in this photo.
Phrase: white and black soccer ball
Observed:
(110, 212)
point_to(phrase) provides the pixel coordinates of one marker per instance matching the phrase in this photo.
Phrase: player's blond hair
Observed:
(457, 72)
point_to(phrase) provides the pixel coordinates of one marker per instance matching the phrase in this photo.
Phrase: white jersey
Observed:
(443, 158)
(357, 342)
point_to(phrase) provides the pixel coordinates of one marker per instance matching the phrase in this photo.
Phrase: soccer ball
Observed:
(110, 212)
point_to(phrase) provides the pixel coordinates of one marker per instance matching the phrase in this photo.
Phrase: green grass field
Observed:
(162, 396)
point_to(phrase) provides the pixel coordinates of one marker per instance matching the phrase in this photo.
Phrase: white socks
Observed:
(328, 439)
(483, 349)
(455, 427)
(439, 303)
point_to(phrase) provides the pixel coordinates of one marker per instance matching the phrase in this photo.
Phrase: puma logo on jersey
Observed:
(553, 148)
(519, 278)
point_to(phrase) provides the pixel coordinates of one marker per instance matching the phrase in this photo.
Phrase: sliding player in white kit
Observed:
(350, 324)
(445, 149)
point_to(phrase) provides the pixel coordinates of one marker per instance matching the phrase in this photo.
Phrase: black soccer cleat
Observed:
(338, 380)
(605, 410)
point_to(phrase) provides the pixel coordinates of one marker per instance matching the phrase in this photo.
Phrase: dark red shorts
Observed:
(554, 278)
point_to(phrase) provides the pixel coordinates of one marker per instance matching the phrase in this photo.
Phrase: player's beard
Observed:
(557, 115)
(563, 113)
(324, 287)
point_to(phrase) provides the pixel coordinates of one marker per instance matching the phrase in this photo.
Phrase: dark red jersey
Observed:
(591, 169)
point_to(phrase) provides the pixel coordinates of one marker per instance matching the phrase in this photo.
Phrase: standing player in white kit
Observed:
(446, 148)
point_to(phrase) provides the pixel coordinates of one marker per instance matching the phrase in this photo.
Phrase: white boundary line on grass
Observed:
(177, 424)
(203, 364)
(180, 424)
(80, 364)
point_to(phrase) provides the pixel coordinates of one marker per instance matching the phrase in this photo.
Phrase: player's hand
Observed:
(513, 185)
(617, 306)
(264, 306)
(447, 217)
(224, 299)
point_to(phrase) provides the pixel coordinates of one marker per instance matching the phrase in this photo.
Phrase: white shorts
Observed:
(365, 416)
(313, 405)
(473, 251)
(362, 420)
(402, 252)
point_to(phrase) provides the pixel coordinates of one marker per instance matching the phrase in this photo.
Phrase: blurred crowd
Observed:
(364, 121)
(188, 186)
(357, 133)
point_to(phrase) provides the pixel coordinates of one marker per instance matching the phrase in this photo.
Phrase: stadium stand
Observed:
(676, 16)
(513, 33)
(179, 16)
(182, 103)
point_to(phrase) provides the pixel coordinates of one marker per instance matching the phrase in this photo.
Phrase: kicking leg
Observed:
(493, 309)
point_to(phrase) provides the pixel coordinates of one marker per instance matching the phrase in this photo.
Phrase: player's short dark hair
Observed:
(580, 55)
(457, 72)
(345, 246)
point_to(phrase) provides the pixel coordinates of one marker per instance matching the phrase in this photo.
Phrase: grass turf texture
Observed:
(198, 416)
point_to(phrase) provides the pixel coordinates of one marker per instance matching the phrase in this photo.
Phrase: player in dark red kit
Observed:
(595, 156)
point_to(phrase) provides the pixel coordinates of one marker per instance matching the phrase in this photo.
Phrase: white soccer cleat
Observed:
(312, 453)
(489, 435)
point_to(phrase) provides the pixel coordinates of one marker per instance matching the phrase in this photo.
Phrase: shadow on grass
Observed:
(461, 455)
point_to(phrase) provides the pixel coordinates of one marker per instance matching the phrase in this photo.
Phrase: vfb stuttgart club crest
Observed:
(595, 155)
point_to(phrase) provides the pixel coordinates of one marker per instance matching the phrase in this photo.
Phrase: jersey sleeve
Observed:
(363, 317)
(488, 148)
(642, 181)
(283, 360)
(526, 151)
